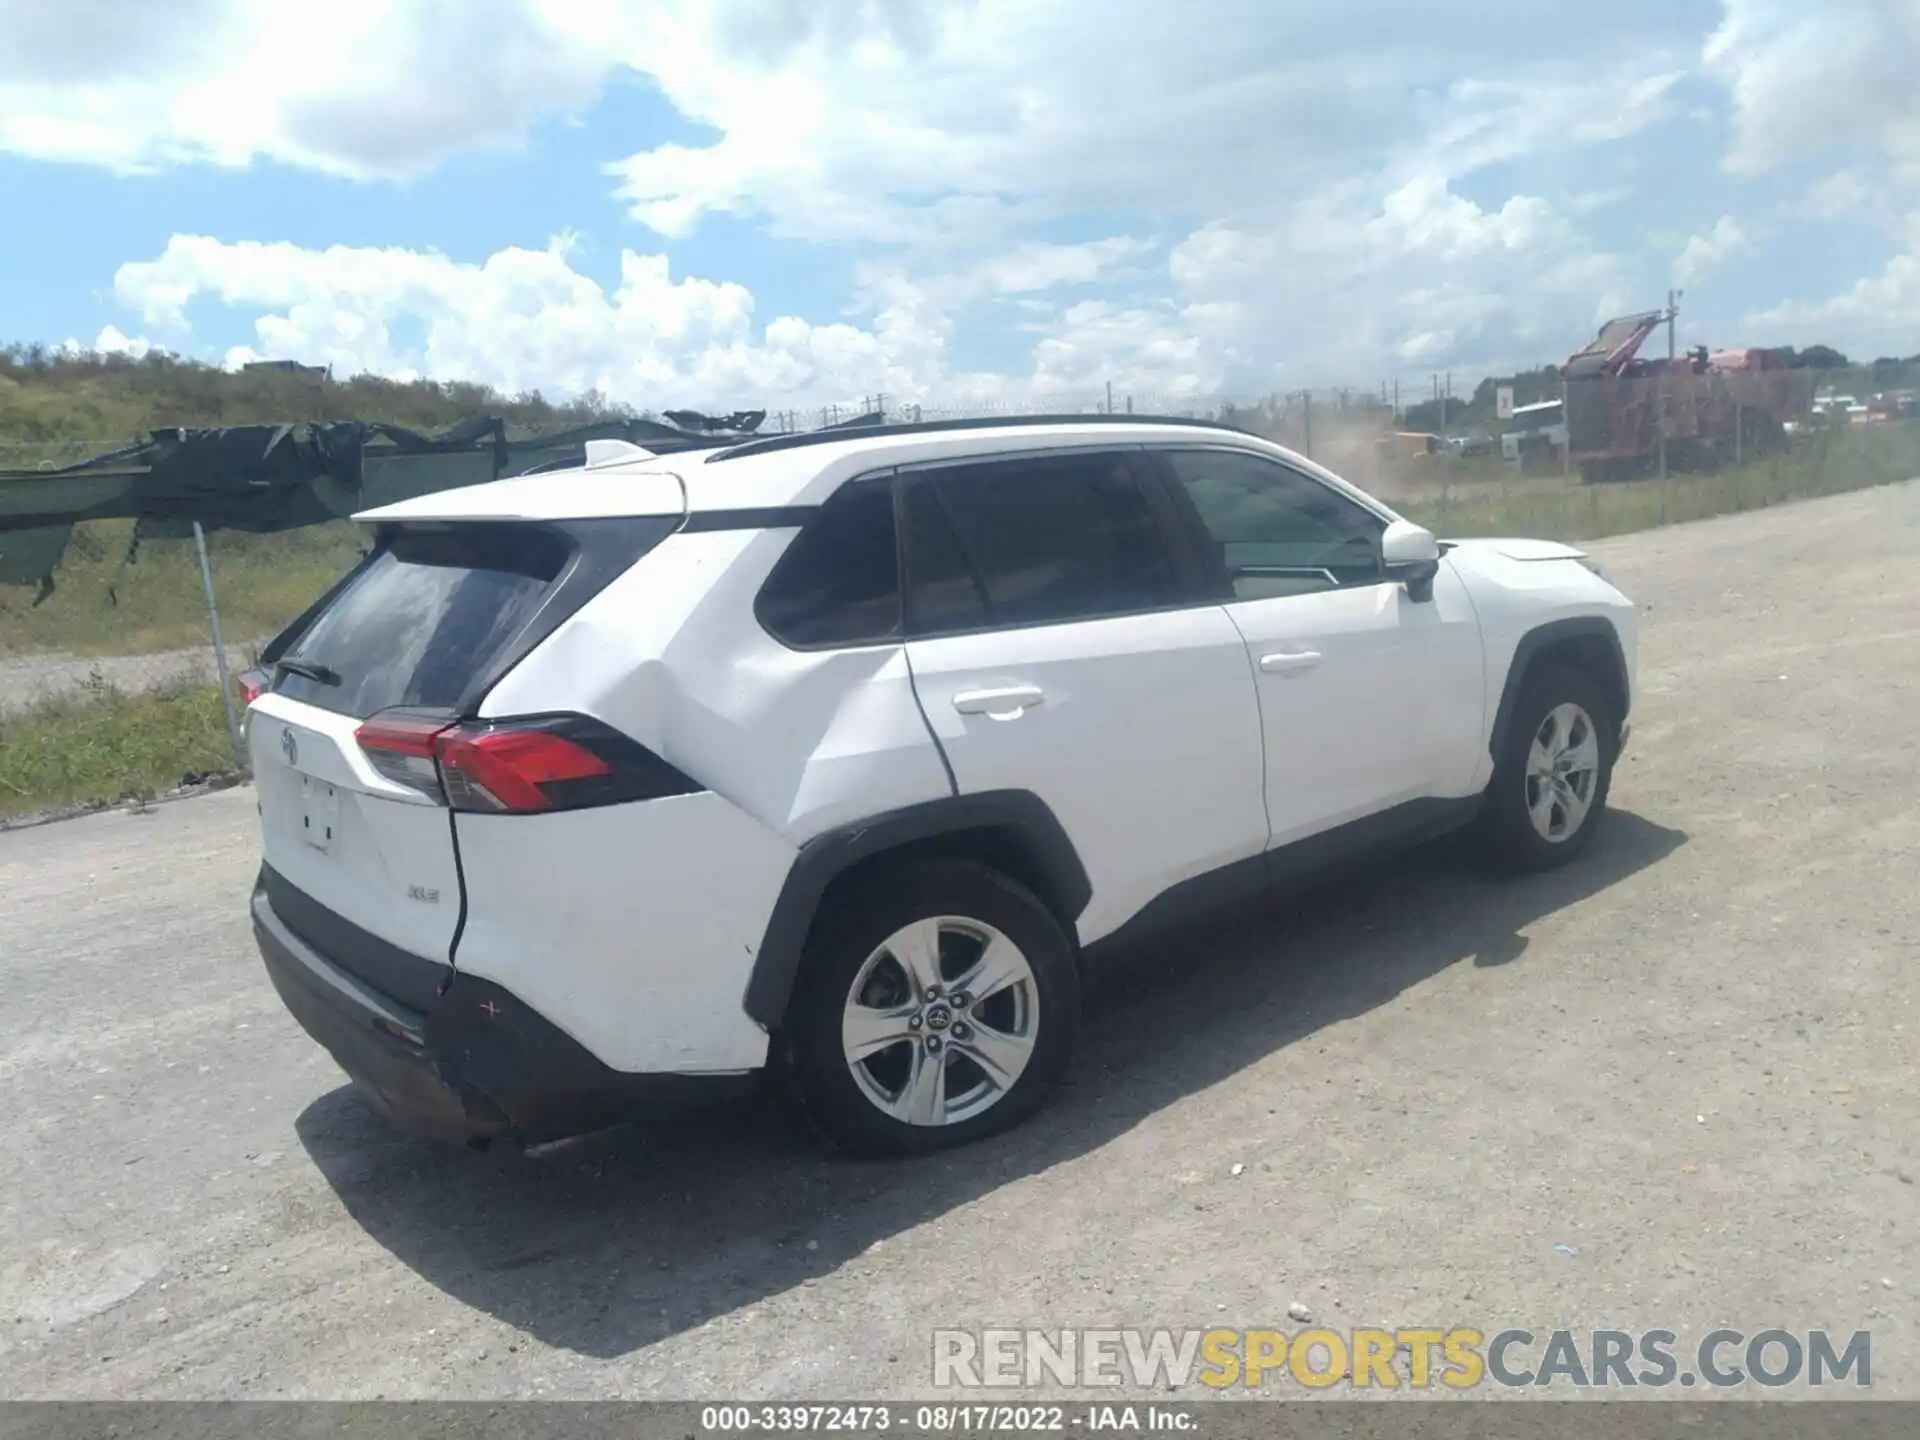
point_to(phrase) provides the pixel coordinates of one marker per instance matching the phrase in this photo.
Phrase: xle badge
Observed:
(423, 894)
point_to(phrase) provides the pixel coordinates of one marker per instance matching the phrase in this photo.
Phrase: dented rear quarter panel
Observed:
(661, 906)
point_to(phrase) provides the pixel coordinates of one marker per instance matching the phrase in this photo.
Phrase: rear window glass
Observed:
(431, 610)
(838, 583)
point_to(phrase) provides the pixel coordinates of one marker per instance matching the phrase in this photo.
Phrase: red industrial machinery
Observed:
(1627, 416)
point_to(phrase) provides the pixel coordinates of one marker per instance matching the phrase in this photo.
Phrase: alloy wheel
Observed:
(1563, 767)
(941, 1021)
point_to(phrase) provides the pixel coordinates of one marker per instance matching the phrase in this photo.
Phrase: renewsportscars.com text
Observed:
(1415, 1358)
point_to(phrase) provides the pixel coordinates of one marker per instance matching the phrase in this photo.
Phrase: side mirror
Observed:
(1411, 555)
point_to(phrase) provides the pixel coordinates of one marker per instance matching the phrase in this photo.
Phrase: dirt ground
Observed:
(1673, 1087)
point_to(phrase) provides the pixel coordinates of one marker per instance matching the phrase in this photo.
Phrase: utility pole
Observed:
(1673, 310)
(1566, 433)
(1109, 397)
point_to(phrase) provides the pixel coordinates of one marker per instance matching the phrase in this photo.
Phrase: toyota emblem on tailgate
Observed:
(289, 747)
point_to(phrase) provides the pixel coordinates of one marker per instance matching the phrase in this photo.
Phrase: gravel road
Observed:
(1674, 1087)
(28, 679)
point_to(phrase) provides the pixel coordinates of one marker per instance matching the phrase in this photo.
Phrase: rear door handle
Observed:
(1289, 662)
(998, 700)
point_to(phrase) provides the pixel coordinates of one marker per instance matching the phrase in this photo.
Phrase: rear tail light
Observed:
(248, 686)
(518, 767)
(401, 747)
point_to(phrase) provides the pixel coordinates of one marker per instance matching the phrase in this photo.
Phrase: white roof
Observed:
(796, 475)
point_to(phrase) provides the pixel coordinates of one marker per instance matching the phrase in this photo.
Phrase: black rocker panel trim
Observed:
(1291, 866)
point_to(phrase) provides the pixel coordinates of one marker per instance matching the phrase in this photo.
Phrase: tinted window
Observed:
(838, 583)
(946, 593)
(1034, 541)
(1278, 532)
(428, 613)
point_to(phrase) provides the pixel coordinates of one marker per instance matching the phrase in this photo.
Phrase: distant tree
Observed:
(58, 395)
(1425, 416)
(1818, 357)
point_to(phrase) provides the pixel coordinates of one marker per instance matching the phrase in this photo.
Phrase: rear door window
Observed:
(427, 614)
(1039, 540)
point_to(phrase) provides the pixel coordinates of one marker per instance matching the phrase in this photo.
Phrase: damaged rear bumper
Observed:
(476, 1065)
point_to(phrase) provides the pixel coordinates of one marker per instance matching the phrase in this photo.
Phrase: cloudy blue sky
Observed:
(711, 202)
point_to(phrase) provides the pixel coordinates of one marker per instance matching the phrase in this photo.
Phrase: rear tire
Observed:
(937, 1006)
(1548, 794)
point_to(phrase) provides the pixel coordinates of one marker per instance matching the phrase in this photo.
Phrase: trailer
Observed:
(1628, 417)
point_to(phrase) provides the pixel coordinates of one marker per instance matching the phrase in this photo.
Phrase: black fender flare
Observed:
(1544, 637)
(827, 856)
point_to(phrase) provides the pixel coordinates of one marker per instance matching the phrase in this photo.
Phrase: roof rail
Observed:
(767, 444)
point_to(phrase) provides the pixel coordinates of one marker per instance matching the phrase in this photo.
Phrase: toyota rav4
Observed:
(833, 756)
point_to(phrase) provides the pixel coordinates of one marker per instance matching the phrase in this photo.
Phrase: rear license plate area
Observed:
(319, 812)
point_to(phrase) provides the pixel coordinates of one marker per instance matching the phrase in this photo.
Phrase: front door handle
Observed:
(999, 700)
(1289, 662)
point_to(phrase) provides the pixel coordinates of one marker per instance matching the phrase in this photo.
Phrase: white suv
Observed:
(835, 755)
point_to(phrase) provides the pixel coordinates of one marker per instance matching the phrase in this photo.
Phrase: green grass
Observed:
(100, 746)
(102, 605)
(1553, 509)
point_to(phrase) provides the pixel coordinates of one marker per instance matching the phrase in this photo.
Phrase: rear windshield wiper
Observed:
(319, 674)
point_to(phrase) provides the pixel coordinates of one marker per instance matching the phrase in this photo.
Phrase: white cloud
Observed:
(358, 88)
(1308, 154)
(110, 341)
(1135, 350)
(1811, 80)
(1703, 253)
(844, 118)
(527, 319)
(1830, 88)
(1877, 315)
(1038, 266)
(1346, 288)
(1360, 289)
(1838, 196)
(1003, 110)
(1587, 202)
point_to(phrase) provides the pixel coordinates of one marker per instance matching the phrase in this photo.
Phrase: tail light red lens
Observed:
(250, 685)
(518, 767)
(509, 769)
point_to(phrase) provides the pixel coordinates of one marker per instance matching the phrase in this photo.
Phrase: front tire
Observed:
(938, 1006)
(1550, 782)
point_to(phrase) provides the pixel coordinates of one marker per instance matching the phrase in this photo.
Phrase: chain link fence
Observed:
(1722, 447)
